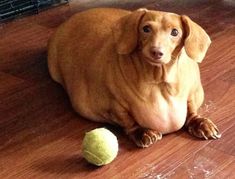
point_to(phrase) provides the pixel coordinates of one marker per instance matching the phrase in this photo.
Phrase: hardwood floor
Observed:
(41, 135)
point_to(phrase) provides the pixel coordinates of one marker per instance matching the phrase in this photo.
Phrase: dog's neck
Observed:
(141, 76)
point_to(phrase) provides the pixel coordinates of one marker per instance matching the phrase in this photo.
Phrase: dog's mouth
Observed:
(154, 62)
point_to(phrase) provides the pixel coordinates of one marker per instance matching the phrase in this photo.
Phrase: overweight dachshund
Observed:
(135, 69)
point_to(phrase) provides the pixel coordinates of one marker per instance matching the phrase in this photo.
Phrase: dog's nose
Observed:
(156, 53)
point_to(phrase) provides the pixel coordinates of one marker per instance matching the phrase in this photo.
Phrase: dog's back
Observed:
(77, 56)
(88, 30)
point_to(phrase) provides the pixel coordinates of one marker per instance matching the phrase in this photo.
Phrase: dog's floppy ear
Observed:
(196, 41)
(125, 31)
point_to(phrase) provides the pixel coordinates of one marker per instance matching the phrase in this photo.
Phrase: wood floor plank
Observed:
(205, 163)
(226, 172)
(226, 143)
(10, 84)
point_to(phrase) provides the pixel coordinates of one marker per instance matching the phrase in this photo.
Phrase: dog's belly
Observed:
(163, 115)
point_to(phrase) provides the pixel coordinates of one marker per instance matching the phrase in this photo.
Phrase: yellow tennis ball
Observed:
(100, 146)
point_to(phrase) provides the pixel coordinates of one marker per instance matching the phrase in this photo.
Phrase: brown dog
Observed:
(135, 69)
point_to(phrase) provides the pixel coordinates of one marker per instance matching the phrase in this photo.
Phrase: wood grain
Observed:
(41, 135)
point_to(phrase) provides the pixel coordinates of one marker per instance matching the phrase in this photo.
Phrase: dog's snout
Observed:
(156, 53)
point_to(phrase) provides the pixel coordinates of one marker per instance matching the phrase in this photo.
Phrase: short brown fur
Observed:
(108, 66)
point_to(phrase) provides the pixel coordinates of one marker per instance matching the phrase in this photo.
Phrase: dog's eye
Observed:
(174, 32)
(146, 29)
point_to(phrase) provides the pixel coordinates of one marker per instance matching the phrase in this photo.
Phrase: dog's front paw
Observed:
(203, 128)
(145, 137)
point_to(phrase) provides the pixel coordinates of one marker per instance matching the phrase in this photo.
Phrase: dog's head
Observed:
(160, 36)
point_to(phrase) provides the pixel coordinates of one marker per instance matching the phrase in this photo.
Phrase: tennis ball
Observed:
(100, 146)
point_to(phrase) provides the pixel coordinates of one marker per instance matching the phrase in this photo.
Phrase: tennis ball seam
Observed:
(93, 155)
